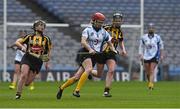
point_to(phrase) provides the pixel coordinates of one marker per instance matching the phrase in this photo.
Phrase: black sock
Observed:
(106, 89)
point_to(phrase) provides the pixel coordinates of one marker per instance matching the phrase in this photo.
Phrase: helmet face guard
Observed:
(39, 22)
(117, 19)
(151, 28)
(98, 23)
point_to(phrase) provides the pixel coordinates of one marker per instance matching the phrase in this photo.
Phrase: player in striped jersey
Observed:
(109, 57)
(37, 52)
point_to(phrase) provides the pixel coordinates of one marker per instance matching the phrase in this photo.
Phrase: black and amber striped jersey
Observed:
(116, 34)
(36, 44)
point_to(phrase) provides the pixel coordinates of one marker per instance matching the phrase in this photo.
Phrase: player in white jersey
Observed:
(92, 40)
(17, 62)
(150, 52)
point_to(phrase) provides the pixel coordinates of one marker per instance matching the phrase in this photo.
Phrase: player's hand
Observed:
(91, 51)
(123, 53)
(47, 66)
(44, 57)
(116, 52)
(161, 57)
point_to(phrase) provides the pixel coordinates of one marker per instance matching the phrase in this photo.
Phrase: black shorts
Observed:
(100, 58)
(106, 56)
(17, 62)
(34, 63)
(151, 60)
(81, 56)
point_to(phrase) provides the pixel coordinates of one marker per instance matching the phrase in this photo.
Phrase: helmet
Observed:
(37, 22)
(151, 28)
(151, 25)
(117, 16)
(117, 19)
(98, 16)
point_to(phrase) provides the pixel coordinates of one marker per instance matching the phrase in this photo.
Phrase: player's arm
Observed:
(111, 46)
(141, 48)
(161, 44)
(86, 45)
(47, 51)
(19, 43)
(13, 46)
(46, 57)
(84, 41)
(109, 42)
(49, 47)
(123, 49)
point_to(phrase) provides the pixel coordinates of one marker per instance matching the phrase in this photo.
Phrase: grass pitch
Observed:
(125, 95)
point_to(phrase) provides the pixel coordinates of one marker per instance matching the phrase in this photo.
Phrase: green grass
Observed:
(125, 95)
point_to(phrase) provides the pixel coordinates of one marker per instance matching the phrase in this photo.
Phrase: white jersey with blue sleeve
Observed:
(150, 46)
(96, 39)
(19, 55)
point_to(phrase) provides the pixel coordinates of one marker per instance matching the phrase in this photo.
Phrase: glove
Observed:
(44, 57)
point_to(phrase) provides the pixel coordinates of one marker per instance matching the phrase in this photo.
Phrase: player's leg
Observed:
(24, 74)
(69, 82)
(100, 62)
(151, 78)
(99, 72)
(73, 79)
(111, 64)
(29, 82)
(15, 76)
(147, 71)
(87, 65)
(156, 73)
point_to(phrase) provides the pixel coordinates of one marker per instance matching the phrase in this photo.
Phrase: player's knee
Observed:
(151, 72)
(76, 77)
(17, 71)
(111, 72)
(88, 70)
(23, 77)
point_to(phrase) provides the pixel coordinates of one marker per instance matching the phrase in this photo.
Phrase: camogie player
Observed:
(150, 52)
(37, 51)
(92, 40)
(17, 62)
(109, 57)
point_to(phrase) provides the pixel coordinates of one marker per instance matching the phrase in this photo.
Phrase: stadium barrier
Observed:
(64, 74)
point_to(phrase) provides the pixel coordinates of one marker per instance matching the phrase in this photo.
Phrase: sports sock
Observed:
(106, 89)
(81, 81)
(69, 82)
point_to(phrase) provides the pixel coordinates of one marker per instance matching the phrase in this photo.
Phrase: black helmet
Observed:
(117, 16)
(37, 22)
